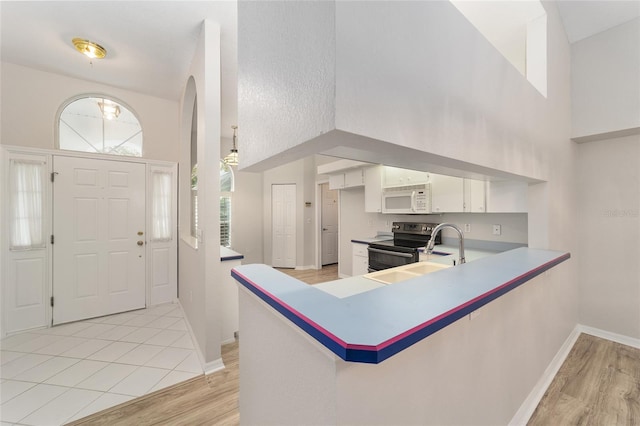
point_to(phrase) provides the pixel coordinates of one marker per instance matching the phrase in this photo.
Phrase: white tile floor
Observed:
(56, 375)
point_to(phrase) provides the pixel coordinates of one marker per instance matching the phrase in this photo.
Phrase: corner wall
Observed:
(199, 264)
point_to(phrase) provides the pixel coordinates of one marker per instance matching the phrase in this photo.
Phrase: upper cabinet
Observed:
(447, 194)
(475, 196)
(373, 189)
(394, 176)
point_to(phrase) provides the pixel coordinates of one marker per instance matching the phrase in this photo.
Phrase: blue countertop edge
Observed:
(227, 254)
(273, 294)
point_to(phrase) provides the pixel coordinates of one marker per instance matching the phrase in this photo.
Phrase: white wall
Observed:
(199, 264)
(301, 96)
(609, 230)
(605, 87)
(31, 99)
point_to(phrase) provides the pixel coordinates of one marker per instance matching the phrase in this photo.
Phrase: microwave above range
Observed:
(414, 199)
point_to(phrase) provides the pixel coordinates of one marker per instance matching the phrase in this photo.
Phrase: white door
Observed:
(283, 217)
(98, 226)
(329, 225)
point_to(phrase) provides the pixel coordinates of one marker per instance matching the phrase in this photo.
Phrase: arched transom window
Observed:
(98, 124)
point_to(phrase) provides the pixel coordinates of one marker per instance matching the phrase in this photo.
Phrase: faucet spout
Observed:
(432, 241)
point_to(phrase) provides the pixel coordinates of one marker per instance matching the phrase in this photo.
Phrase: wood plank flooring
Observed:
(598, 384)
(314, 276)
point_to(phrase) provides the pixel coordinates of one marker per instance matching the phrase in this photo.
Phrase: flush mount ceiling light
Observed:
(232, 158)
(89, 48)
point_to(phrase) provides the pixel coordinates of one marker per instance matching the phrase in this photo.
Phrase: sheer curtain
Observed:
(161, 206)
(27, 203)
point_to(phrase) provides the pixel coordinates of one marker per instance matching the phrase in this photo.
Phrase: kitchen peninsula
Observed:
(393, 353)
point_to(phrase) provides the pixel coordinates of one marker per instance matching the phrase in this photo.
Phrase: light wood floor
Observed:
(598, 384)
(314, 276)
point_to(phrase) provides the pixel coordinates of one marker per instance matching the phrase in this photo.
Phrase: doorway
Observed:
(329, 223)
(98, 238)
(283, 220)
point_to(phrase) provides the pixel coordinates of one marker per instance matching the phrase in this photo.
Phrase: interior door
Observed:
(283, 217)
(98, 226)
(329, 225)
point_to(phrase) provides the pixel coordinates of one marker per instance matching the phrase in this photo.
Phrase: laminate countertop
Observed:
(378, 321)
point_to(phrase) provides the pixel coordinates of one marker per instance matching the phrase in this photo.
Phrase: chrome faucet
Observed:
(432, 241)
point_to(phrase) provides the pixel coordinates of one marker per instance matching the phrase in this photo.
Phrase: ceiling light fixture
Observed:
(232, 158)
(109, 110)
(89, 48)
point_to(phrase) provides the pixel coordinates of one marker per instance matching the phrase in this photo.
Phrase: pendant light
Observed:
(232, 158)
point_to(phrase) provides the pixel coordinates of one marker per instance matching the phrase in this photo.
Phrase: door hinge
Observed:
(53, 176)
(52, 239)
(52, 301)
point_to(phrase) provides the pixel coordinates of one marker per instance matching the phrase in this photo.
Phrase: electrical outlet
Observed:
(497, 230)
(467, 227)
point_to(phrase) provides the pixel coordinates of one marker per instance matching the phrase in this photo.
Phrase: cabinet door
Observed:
(447, 194)
(359, 259)
(474, 196)
(336, 181)
(394, 176)
(373, 189)
(353, 178)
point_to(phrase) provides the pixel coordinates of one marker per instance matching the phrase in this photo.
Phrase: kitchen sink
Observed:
(402, 273)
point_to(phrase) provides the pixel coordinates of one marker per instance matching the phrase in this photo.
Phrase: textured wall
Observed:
(286, 83)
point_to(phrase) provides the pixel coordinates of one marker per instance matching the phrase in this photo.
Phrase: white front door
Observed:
(283, 214)
(98, 227)
(329, 225)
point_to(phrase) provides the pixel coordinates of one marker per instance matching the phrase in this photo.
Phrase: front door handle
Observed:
(140, 242)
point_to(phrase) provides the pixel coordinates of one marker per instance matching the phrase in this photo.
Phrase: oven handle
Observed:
(413, 201)
(389, 252)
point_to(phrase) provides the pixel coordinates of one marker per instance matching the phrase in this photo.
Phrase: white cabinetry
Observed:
(474, 196)
(336, 181)
(373, 189)
(350, 179)
(447, 194)
(359, 259)
(354, 178)
(394, 176)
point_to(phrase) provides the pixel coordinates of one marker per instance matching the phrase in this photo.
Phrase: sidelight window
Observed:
(226, 190)
(26, 183)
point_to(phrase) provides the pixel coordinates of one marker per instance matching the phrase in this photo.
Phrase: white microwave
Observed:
(415, 199)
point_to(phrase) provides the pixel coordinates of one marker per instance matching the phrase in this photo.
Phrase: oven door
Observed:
(385, 257)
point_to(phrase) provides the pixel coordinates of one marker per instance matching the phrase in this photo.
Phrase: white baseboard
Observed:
(344, 276)
(529, 405)
(304, 268)
(213, 366)
(614, 337)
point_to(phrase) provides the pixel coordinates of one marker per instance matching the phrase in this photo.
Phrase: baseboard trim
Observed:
(344, 276)
(304, 268)
(614, 337)
(530, 404)
(213, 366)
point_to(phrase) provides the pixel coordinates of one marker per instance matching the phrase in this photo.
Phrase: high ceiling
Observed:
(150, 44)
(584, 18)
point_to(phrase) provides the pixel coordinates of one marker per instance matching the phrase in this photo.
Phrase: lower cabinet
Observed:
(359, 259)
